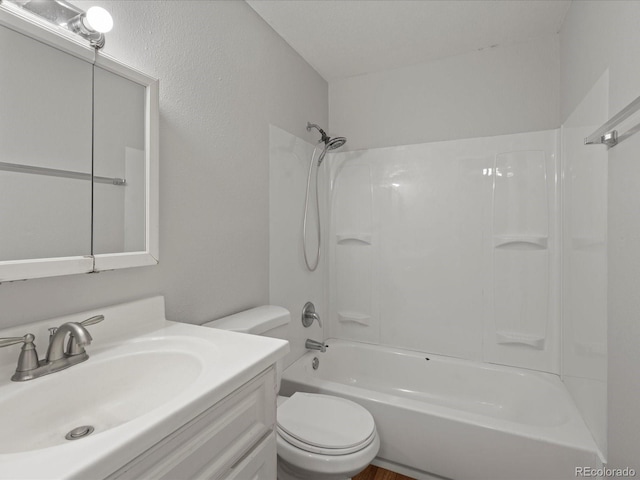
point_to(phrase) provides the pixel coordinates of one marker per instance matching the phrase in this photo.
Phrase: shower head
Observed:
(336, 142)
(331, 144)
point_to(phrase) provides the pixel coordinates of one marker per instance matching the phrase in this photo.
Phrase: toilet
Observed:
(319, 437)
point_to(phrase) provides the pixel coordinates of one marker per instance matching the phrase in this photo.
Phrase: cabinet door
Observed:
(45, 154)
(217, 442)
(259, 464)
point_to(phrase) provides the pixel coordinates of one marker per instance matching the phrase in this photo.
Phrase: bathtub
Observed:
(458, 419)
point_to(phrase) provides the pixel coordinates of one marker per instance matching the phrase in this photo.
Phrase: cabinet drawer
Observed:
(210, 444)
(259, 464)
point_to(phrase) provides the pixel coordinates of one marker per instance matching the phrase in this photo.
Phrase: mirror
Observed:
(78, 155)
(118, 164)
(125, 163)
(45, 209)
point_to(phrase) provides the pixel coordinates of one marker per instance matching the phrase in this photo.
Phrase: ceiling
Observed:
(342, 38)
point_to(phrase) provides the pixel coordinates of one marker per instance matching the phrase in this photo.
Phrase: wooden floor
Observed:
(377, 473)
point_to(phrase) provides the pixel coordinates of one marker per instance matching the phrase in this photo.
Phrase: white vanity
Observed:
(165, 399)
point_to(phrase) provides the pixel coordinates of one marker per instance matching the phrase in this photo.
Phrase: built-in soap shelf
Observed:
(354, 317)
(521, 242)
(521, 249)
(534, 341)
(356, 238)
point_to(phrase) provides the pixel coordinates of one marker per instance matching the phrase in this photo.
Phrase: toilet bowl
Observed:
(319, 437)
(322, 437)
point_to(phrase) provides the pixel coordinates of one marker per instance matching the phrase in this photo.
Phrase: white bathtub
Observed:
(454, 418)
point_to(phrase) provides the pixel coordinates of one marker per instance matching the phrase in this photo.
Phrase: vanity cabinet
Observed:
(233, 439)
(168, 400)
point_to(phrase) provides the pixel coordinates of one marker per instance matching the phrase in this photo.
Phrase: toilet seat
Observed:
(324, 451)
(325, 424)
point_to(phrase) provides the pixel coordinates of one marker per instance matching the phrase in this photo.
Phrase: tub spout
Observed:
(314, 345)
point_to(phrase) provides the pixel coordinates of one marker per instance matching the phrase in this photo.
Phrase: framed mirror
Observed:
(78, 155)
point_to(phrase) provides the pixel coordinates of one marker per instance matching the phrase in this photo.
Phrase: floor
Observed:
(376, 473)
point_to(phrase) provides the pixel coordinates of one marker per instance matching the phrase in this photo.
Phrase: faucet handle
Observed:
(7, 341)
(309, 315)
(92, 321)
(28, 359)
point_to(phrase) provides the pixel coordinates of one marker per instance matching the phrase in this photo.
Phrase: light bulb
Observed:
(99, 20)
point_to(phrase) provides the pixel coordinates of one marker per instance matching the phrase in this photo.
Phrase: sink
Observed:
(145, 378)
(111, 388)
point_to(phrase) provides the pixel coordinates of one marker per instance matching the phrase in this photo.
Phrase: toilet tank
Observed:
(267, 320)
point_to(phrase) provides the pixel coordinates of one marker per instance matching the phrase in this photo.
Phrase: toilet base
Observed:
(288, 472)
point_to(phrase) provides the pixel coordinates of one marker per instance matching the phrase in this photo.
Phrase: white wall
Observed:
(224, 76)
(597, 36)
(439, 205)
(449, 248)
(291, 285)
(495, 91)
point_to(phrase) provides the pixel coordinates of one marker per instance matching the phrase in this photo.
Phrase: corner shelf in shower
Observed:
(348, 238)
(521, 242)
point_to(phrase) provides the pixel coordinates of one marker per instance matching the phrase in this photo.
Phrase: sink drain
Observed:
(79, 432)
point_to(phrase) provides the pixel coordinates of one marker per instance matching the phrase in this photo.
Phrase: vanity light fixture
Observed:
(90, 25)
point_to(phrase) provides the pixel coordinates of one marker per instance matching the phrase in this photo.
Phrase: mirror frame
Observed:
(150, 254)
(21, 21)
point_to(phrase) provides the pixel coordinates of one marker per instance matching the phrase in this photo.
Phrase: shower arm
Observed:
(325, 137)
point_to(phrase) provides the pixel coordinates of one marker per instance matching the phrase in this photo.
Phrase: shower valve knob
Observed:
(309, 315)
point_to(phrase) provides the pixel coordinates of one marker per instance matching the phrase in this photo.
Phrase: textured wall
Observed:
(597, 36)
(224, 76)
(507, 89)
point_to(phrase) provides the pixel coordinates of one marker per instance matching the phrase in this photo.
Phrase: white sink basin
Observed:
(145, 378)
(109, 389)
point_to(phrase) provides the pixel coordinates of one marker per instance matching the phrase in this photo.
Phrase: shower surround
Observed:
(449, 248)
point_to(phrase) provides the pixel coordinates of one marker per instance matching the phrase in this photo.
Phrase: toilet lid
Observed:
(330, 424)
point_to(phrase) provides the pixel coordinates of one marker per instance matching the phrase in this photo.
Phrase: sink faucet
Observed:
(56, 344)
(29, 367)
(314, 345)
